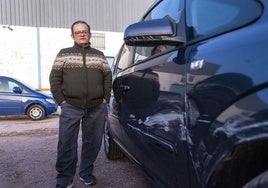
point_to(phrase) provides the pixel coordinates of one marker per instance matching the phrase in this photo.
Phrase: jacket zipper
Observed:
(85, 73)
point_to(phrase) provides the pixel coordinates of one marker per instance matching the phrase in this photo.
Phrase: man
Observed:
(80, 82)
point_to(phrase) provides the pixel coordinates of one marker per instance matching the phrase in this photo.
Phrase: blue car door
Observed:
(10, 102)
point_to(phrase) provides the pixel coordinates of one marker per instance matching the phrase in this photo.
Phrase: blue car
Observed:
(17, 98)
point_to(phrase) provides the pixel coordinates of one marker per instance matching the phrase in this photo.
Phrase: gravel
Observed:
(28, 154)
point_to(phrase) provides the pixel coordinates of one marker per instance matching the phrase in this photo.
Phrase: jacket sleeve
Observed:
(107, 80)
(56, 78)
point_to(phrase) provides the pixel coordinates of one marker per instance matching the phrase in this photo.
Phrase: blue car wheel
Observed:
(36, 112)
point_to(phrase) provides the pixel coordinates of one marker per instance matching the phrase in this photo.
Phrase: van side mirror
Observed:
(152, 32)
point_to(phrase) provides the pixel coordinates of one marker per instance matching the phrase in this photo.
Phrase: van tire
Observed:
(112, 150)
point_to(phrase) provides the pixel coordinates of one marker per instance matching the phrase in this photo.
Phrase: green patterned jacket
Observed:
(81, 76)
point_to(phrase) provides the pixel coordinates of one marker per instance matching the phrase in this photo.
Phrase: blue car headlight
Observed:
(50, 101)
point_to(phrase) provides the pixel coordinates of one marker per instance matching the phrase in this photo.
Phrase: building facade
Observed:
(33, 31)
(103, 15)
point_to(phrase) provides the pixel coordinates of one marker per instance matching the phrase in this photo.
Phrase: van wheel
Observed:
(112, 150)
(260, 181)
(36, 112)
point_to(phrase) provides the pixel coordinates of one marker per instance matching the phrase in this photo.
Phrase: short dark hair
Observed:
(78, 22)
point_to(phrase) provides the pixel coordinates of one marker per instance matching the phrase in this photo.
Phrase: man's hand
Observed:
(63, 102)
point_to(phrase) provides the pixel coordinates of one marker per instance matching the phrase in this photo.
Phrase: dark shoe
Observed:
(89, 179)
(70, 185)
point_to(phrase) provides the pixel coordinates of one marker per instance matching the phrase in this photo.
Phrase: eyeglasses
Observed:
(81, 32)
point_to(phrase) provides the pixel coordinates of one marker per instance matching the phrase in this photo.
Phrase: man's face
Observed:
(81, 35)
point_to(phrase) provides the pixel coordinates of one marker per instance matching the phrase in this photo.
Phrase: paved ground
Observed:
(28, 152)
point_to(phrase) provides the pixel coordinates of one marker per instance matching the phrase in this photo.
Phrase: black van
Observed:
(190, 94)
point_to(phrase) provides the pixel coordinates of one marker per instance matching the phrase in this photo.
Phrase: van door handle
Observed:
(197, 65)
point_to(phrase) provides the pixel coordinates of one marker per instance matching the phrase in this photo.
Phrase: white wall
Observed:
(19, 51)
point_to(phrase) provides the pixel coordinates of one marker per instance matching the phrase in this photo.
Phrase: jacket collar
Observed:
(78, 46)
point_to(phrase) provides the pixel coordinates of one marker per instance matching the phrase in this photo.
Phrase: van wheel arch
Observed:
(260, 181)
(241, 166)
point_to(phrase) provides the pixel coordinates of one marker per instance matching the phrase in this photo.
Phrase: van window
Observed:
(208, 17)
(142, 53)
(165, 8)
(125, 57)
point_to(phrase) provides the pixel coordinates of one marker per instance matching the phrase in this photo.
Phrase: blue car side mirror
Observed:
(17, 89)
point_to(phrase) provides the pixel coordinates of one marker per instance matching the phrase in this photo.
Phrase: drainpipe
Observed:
(38, 58)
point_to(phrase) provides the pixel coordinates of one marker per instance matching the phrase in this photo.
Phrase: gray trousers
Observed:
(92, 123)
